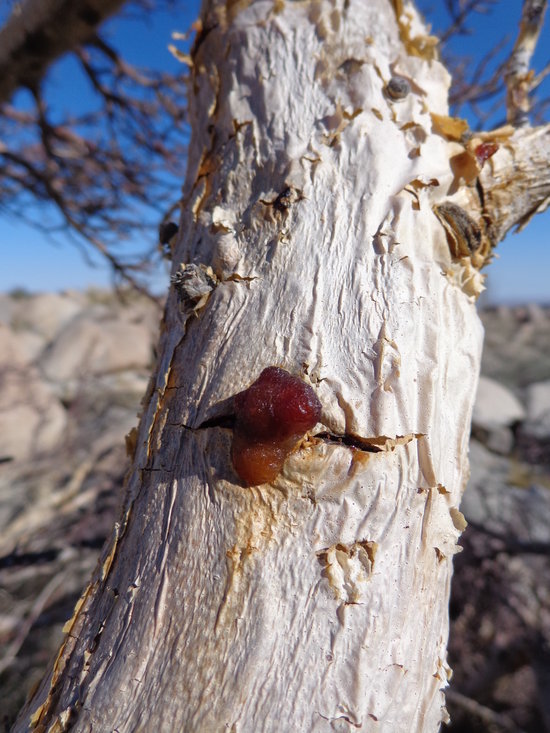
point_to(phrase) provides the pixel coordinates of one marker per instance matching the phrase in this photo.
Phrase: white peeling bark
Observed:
(516, 184)
(317, 603)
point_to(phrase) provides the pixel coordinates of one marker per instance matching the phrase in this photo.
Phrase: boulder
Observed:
(30, 344)
(496, 409)
(32, 420)
(46, 313)
(537, 423)
(7, 308)
(492, 501)
(495, 405)
(95, 346)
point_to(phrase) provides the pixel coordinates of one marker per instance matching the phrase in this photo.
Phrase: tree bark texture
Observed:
(323, 226)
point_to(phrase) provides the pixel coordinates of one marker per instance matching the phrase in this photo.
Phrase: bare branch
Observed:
(44, 30)
(484, 85)
(106, 174)
(516, 184)
(460, 13)
(38, 606)
(488, 717)
(519, 78)
(540, 77)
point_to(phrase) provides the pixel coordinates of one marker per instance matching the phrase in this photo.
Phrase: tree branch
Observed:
(44, 30)
(518, 76)
(96, 172)
(460, 13)
(482, 712)
(516, 184)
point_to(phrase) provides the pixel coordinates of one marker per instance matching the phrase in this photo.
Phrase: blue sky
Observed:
(519, 274)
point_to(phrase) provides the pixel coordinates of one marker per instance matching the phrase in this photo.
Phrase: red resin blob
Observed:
(484, 151)
(270, 418)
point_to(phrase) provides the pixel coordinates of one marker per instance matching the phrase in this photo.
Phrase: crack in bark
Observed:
(378, 444)
(219, 421)
(341, 717)
(350, 440)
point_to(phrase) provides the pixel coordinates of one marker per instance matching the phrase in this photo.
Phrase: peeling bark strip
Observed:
(308, 240)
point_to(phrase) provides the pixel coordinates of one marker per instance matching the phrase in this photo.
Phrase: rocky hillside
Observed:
(73, 368)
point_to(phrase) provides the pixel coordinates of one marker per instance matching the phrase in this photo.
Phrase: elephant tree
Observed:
(274, 573)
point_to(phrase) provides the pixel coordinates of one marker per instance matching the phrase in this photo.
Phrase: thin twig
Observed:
(487, 716)
(540, 77)
(38, 606)
(460, 13)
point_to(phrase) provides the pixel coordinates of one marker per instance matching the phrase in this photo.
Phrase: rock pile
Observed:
(500, 606)
(57, 350)
(73, 368)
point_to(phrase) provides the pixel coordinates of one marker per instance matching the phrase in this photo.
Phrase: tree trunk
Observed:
(324, 219)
